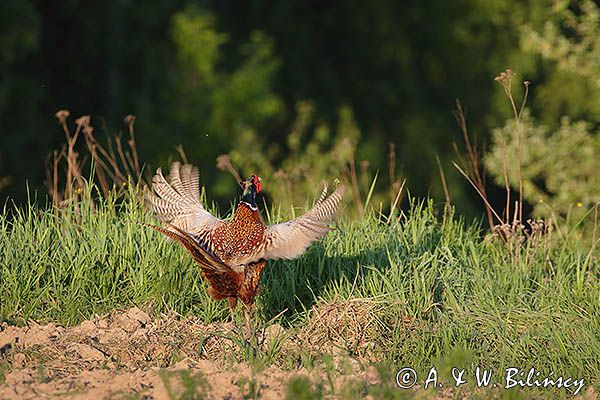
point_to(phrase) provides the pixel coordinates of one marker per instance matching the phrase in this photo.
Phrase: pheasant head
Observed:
(252, 186)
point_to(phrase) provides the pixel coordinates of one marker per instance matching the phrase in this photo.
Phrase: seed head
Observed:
(62, 115)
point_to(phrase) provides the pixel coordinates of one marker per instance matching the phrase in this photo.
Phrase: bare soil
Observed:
(128, 354)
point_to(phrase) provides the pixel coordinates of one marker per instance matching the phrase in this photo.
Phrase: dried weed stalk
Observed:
(510, 228)
(113, 169)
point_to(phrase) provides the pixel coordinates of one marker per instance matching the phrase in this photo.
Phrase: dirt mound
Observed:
(356, 327)
(128, 353)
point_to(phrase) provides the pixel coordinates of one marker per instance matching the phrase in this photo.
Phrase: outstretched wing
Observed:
(290, 239)
(178, 202)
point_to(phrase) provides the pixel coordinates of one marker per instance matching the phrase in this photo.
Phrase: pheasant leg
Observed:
(232, 303)
(248, 325)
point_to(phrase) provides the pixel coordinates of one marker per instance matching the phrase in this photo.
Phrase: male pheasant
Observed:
(232, 254)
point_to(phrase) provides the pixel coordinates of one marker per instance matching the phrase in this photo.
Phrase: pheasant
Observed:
(232, 254)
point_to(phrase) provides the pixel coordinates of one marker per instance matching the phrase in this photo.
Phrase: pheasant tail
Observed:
(203, 257)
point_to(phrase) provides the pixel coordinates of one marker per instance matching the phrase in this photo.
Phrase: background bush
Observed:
(230, 78)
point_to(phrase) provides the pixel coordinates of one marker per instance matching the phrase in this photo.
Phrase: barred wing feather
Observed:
(178, 202)
(202, 255)
(290, 239)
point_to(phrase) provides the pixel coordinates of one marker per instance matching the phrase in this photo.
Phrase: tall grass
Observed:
(440, 284)
(89, 257)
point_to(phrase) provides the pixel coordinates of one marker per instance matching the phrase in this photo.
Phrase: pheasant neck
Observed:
(249, 200)
(246, 212)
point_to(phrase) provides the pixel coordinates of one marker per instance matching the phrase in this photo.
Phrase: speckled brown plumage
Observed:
(232, 254)
(240, 237)
(230, 238)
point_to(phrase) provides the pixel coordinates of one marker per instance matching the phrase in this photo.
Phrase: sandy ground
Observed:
(129, 355)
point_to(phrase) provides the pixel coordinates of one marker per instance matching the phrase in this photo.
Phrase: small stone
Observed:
(88, 352)
(19, 360)
(102, 324)
(138, 315)
(372, 376)
(88, 328)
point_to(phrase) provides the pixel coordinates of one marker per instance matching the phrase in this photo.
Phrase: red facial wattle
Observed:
(256, 182)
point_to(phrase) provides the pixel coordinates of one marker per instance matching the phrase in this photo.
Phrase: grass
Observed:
(444, 292)
(194, 385)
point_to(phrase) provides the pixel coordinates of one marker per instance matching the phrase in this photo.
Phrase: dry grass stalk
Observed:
(443, 179)
(112, 172)
(510, 229)
(396, 200)
(224, 164)
(505, 79)
(392, 168)
(476, 172)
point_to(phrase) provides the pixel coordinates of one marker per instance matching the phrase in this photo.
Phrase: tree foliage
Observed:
(236, 78)
(559, 166)
(560, 146)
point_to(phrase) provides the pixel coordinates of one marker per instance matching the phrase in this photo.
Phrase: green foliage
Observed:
(234, 71)
(220, 108)
(198, 44)
(388, 388)
(568, 44)
(558, 155)
(225, 78)
(312, 152)
(559, 167)
(250, 386)
(573, 43)
(228, 109)
(194, 385)
(353, 390)
(5, 367)
(301, 388)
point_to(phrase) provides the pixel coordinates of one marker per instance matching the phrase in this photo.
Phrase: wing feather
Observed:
(290, 239)
(178, 202)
